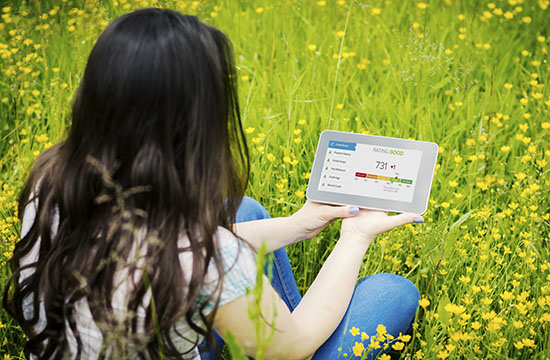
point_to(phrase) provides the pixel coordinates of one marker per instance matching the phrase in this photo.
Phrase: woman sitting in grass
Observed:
(136, 240)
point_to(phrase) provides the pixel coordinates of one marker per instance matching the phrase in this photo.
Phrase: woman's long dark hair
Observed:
(155, 151)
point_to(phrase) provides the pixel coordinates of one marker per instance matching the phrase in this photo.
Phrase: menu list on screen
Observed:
(370, 170)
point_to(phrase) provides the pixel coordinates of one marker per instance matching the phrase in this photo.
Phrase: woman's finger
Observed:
(333, 212)
(401, 219)
(338, 212)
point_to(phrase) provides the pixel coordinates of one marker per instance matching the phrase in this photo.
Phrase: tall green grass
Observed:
(469, 75)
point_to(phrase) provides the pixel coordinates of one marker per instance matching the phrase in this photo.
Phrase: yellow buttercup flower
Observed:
(358, 348)
(354, 331)
(519, 345)
(424, 302)
(381, 329)
(454, 309)
(404, 338)
(398, 346)
(476, 325)
(42, 138)
(518, 324)
(528, 343)
(374, 344)
(520, 176)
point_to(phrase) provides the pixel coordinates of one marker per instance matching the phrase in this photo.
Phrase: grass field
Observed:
(469, 75)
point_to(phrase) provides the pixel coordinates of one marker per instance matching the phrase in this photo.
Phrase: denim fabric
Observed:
(283, 277)
(386, 299)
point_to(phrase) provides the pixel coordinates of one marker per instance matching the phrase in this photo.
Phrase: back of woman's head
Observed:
(156, 97)
(156, 144)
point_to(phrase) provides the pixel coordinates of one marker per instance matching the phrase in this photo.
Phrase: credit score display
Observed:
(370, 170)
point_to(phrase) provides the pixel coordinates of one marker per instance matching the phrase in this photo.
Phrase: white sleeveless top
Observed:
(238, 261)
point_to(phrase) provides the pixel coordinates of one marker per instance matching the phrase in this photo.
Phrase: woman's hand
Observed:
(368, 223)
(313, 217)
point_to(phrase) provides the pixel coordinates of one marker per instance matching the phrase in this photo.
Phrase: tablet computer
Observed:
(373, 172)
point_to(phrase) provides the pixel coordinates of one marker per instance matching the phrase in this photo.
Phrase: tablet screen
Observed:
(370, 170)
(373, 172)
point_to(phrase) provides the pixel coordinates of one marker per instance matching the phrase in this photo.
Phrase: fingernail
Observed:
(418, 220)
(354, 211)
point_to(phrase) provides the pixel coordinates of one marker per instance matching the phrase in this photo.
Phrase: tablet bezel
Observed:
(424, 179)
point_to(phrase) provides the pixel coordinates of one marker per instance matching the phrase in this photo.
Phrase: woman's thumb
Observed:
(347, 211)
(402, 219)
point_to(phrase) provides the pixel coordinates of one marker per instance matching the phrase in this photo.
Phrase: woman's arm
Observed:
(283, 231)
(300, 333)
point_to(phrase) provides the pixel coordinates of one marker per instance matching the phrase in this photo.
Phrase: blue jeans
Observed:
(386, 299)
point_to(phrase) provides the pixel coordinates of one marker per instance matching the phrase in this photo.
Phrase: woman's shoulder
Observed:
(226, 242)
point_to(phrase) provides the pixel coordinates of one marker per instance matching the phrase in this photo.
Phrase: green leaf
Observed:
(460, 221)
(444, 316)
(235, 349)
